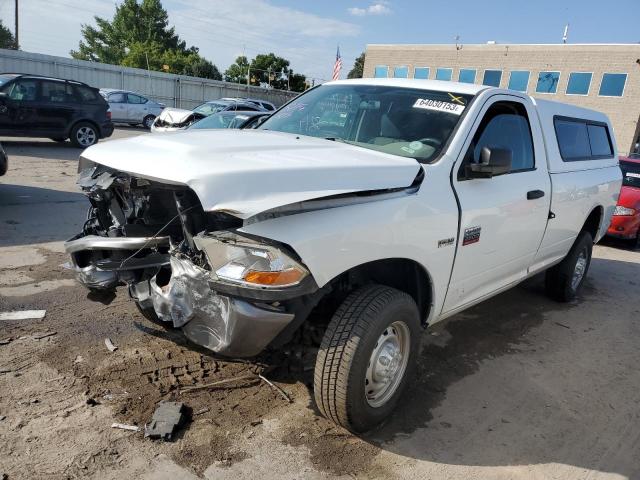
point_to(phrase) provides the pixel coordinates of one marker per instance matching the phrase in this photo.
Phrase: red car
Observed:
(626, 218)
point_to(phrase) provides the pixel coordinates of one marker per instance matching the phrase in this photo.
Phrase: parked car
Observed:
(35, 106)
(625, 223)
(172, 119)
(130, 107)
(229, 120)
(427, 198)
(4, 161)
(261, 103)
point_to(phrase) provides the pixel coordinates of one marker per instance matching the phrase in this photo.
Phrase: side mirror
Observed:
(493, 162)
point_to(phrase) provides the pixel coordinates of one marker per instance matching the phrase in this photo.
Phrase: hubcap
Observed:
(578, 271)
(86, 136)
(148, 122)
(387, 364)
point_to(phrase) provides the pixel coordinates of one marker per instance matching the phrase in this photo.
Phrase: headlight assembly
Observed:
(243, 261)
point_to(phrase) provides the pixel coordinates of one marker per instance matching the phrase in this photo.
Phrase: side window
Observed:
(117, 98)
(56, 92)
(23, 91)
(505, 125)
(87, 94)
(580, 139)
(137, 99)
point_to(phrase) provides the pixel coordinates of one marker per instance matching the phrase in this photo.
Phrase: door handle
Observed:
(534, 194)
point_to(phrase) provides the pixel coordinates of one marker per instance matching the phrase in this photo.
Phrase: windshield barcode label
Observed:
(439, 106)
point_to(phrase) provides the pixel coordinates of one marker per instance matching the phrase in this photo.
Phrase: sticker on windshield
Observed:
(439, 106)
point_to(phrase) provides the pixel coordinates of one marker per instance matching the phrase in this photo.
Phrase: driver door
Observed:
(503, 218)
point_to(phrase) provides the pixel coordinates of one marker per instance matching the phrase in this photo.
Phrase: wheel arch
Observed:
(593, 223)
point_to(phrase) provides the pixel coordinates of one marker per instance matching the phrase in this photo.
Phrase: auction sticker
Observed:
(439, 106)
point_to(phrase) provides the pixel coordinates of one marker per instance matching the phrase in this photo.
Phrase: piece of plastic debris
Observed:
(122, 426)
(23, 315)
(167, 417)
(38, 336)
(201, 411)
(110, 345)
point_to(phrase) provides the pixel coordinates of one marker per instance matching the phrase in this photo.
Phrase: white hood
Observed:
(245, 172)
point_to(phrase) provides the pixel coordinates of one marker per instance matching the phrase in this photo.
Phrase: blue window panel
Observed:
(381, 71)
(548, 82)
(421, 73)
(492, 78)
(519, 80)
(579, 83)
(467, 75)
(612, 84)
(401, 72)
(444, 74)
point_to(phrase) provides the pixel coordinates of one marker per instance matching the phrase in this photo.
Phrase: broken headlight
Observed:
(244, 261)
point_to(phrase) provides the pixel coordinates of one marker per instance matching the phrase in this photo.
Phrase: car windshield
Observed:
(630, 174)
(5, 78)
(218, 120)
(400, 121)
(210, 108)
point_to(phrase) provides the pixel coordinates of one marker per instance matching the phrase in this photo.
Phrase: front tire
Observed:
(367, 354)
(565, 279)
(84, 135)
(148, 121)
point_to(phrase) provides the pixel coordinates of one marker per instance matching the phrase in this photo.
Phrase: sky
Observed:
(307, 33)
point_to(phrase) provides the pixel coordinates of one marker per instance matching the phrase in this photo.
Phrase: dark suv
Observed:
(35, 106)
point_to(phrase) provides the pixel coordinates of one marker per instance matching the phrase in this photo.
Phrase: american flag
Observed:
(337, 66)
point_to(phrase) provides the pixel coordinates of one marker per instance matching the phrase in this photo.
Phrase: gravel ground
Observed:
(517, 387)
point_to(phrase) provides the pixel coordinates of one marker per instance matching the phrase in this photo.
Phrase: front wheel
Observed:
(565, 279)
(84, 135)
(367, 354)
(148, 121)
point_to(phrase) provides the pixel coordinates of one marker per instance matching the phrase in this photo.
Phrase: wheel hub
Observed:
(86, 136)
(387, 364)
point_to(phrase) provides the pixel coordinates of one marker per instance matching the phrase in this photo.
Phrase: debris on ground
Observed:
(39, 336)
(167, 417)
(23, 315)
(5, 370)
(201, 411)
(282, 393)
(110, 345)
(6, 341)
(122, 426)
(2, 417)
(220, 382)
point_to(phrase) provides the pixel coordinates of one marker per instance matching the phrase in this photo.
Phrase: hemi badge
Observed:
(471, 235)
(446, 242)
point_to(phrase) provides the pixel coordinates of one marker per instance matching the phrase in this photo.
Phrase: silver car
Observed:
(130, 107)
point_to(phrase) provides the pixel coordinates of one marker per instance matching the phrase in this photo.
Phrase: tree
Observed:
(358, 67)
(265, 70)
(7, 40)
(139, 36)
(237, 72)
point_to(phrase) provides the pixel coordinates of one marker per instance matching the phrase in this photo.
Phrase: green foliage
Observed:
(358, 67)
(139, 36)
(265, 69)
(7, 39)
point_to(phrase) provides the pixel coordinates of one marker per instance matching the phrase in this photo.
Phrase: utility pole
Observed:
(16, 33)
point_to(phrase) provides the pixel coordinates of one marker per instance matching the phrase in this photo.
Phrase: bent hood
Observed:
(246, 172)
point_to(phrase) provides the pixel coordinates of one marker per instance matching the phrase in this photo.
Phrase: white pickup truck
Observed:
(359, 213)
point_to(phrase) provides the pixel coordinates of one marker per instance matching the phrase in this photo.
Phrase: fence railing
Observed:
(180, 91)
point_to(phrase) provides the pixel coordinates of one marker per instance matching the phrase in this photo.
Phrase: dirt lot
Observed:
(518, 387)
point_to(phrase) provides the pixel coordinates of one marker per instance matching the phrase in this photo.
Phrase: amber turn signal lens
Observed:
(285, 277)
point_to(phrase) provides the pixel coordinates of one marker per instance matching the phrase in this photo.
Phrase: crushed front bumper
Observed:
(226, 325)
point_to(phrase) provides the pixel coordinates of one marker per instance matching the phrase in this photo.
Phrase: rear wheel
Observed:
(84, 135)
(565, 279)
(367, 354)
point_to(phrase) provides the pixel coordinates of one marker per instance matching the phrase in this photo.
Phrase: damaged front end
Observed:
(187, 267)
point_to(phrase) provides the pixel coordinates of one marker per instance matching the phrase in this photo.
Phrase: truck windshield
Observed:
(630, 174)
(400, 121)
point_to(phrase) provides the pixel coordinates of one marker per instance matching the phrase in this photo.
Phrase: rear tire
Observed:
(366, 357)
(83, 135)
(563, 281)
